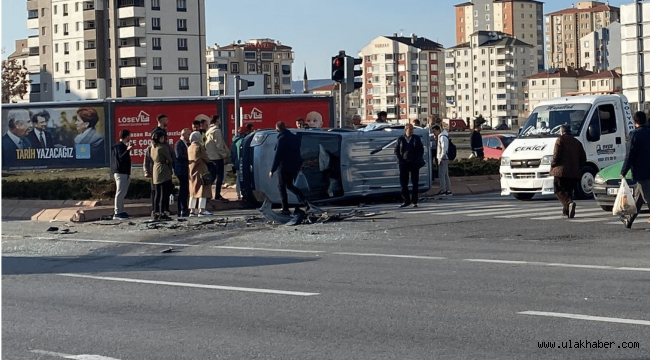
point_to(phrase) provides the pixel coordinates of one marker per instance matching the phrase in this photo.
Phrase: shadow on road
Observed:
(89, 264)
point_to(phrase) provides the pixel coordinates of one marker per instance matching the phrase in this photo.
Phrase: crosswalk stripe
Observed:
(450, 212)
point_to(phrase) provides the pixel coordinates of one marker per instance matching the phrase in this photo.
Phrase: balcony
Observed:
(132, 52)
(32, 41)
(134, 91)
(131, 12)
(390, 90)
(32, 23)
(504, 56)
(90, 73)
(131, 32)
(133, 71)
(90, 54)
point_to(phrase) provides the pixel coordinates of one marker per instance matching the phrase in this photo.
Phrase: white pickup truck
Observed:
(602, 124)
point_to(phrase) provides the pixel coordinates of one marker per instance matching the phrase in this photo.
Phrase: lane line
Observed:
(191, 285)
(537, 263)
(186, 245)
(392, 256)
(74, 357)
(586, 317)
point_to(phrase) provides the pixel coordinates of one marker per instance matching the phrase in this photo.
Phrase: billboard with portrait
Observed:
(55, 136)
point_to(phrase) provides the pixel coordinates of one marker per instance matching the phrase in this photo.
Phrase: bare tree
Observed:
(14, 81)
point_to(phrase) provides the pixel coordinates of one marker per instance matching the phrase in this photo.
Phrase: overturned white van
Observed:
(601, 123)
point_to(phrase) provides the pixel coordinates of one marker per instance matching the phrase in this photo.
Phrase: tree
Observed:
(14, 81)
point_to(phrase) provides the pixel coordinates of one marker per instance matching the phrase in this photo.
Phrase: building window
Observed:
(56, 28)
(56, 48)
(67, 87)
(266, 67)
(155, 44)
(155, 23)
(249, 55)
(234, 67)
(155, 4)
(91, 84)
(181, 24)
(157, 83)
(66, 48)
(214, 92)
(157, 63)
(54, 9)
(66, 67)
(43, 30)
(181, 5)
(182, 64)
(182, 44)
(286, 69)
(252, 68)
(267, 56)
(183, 83)
(65, 9)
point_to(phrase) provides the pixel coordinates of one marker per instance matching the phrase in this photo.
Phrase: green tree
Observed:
(14, 81)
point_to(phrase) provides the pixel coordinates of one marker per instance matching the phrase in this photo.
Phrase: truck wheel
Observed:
(523, 196)
(607, 208)
(585, 187)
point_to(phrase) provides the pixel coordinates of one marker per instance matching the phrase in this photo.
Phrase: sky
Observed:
(315, 29)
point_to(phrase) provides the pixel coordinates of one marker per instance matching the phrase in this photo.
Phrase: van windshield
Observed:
(545, 121)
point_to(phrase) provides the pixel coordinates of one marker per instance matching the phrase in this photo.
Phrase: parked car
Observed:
(607, 183)
(493, 145)
(337, 164)
(502, 127)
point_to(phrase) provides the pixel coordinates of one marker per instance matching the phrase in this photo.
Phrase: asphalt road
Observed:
(461, 278)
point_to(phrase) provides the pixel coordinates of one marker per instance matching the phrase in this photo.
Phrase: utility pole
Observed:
(237, 90)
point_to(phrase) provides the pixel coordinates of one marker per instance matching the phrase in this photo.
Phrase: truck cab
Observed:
(602, 124)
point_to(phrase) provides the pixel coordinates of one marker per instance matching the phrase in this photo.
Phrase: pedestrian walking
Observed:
(410, 157)
(442, 147)
(181, 169)
(287, 162)
(161, 176)
(121, 169)
(476, 142)
(200, 180)
(218, 153)
(568, 159)
(637, 159)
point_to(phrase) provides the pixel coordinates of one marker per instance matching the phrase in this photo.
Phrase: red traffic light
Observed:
(338, 62)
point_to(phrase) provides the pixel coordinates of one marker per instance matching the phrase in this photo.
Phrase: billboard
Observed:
(56, 136)
(141, 117)
(264, 113)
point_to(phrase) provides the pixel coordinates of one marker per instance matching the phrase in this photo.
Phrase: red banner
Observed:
(140, 119)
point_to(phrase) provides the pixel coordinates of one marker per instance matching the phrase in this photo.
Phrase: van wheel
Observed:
(585, 187)
(607, 208)
(523, 196)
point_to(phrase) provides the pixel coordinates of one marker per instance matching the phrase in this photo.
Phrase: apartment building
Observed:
(566, 27)
(604, 82)
(267, 58)
(600, 50)
(635, 25)
(402, 76)
(521, 19)
(121, 48)
(352, 101)
(551, 84)
(487, 76)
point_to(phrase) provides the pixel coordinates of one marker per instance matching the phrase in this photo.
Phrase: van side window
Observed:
(607, 117)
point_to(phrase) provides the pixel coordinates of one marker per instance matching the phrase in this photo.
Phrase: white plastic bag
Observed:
(624, 203)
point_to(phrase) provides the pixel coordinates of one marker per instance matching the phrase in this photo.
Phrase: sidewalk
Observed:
(81, 211)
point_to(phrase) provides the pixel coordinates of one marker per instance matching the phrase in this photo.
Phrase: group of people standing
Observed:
(198, 160)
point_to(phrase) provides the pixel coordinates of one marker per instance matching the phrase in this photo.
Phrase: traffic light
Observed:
(338, 67)
(351, 74)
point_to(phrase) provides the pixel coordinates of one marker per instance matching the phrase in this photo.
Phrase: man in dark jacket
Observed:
(637, 159)
(410, 157)
(237, 140)
(476, 142)
(568, 159)
(288, 161)
(121, 170)
(181, 169)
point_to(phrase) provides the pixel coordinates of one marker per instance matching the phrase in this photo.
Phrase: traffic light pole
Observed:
(237, 90)
(341, 104)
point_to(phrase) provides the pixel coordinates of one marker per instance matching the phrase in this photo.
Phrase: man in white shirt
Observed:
(442, 137)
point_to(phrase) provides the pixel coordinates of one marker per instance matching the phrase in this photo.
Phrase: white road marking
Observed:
(200, 286)
(530, 213)
(590, 213)
(74, 357)
(504, 211)
(187, 245)
(537, 263)
(394, 256)
(450, 210)
(587, 317)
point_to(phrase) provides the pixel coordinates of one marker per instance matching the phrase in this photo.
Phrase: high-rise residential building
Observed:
(402, 76)
(264, 59)
(600, 50)
(119, 48)
(635, 24)
(487, 76)
(521, 19)
(566, 27)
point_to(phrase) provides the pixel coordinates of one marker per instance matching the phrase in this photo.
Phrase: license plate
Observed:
(612, 191)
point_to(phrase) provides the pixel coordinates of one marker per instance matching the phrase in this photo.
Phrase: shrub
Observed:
(72, 189)
(474, 166)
